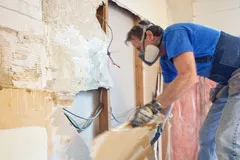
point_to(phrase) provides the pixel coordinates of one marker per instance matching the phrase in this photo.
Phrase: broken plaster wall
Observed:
(52, 46)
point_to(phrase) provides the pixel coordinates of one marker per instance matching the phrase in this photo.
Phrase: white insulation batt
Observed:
(53, 45)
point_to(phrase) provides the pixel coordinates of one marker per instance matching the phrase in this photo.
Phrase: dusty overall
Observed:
(219, 136)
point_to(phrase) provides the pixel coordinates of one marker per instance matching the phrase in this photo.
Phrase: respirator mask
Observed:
(151, 53)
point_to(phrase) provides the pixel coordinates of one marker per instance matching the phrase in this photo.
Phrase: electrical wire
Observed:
(91, 118)
(108, 52)
(114, 118)
(95, 114)
(88, 121)
(72, 121)
(126, 115)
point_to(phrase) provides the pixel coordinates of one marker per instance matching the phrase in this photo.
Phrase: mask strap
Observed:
(144, 27)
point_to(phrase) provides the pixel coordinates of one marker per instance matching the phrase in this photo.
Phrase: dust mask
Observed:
(151, 52)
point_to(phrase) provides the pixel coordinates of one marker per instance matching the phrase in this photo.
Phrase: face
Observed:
(149, 40)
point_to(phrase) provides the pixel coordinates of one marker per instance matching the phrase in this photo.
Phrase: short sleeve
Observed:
(169, 72)
(177, 42)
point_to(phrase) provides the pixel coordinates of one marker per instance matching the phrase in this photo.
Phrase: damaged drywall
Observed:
(137, 142)
(65, 53)
(49, 51)
(75, 63)
(67, 143)
(77, 46)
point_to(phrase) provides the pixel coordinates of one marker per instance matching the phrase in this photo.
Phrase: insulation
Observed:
(188, 115)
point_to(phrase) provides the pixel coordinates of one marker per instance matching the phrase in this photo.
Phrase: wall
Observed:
(181, 11)
(13, 140)
(68, 143)
(83, 105)
(52, 51)
(220, 14)
(49, 51)
(159, 15)
(149, 81)
(154, 10)
(122, 94)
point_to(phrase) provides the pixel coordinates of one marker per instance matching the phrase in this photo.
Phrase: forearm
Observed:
(176, 89)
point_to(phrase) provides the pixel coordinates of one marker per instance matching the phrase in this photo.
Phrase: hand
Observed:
(146, 113)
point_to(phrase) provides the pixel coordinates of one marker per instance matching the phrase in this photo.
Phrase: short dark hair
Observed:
(137, 30)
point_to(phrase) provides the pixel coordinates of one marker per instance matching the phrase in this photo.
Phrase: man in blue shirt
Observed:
(188, 50)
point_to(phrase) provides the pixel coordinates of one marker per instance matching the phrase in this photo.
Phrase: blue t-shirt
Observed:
(188, 37)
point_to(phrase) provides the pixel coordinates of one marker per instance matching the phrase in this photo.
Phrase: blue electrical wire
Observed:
(88, 121)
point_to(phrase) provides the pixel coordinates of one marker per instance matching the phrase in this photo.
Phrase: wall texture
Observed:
(157, 12)
(54, 45)
(122, 94)
(154, 10)
(49, 51)
(220, 14)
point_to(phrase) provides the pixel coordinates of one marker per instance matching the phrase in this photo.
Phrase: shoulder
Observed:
(183, 26)
(176, 26)
(176, 30)
(188, 27)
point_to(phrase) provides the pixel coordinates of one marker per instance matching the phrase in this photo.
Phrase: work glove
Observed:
(146, 113)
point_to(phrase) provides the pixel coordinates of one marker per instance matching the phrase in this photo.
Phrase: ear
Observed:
(149, 35)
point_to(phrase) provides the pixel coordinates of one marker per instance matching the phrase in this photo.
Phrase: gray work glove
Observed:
(146, 113)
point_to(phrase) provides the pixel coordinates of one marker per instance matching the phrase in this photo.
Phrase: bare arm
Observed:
(165, 85)
(187, 77)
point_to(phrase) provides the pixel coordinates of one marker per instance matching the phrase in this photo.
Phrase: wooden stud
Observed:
(104, 117)
(138, 74)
